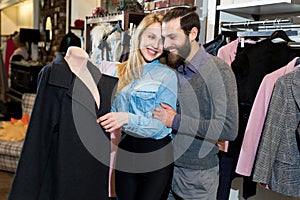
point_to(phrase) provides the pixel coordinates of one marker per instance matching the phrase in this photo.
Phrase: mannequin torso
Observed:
(77, 60)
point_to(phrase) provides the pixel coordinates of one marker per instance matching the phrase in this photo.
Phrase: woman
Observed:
(20, 52)
(144, 158)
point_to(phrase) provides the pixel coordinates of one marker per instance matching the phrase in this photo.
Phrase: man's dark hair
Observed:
(188, 18)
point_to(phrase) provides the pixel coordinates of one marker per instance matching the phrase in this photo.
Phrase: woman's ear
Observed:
(193, 33)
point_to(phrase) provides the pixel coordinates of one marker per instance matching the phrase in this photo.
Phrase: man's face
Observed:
(176, 42)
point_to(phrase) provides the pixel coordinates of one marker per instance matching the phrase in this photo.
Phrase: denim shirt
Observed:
(157, 84)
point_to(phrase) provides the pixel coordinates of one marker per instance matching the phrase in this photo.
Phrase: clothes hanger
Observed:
(117, 27)
(280, 34)
(297, 62)
(294, 45)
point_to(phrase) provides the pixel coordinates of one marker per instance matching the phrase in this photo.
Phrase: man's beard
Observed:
(175, 60)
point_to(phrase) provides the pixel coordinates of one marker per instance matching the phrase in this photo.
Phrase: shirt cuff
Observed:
(176, 122)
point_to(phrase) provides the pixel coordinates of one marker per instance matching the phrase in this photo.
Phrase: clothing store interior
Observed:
(258, 39)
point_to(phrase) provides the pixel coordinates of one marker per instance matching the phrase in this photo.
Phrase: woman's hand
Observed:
(165, 114)
(113, 121)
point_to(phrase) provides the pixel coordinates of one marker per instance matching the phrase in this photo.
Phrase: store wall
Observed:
(57, 13)
(80, 9)
(16, 17)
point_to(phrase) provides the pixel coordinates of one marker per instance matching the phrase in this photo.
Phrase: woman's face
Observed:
(151, 45)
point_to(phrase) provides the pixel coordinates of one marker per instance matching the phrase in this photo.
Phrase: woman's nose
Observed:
(156, 43)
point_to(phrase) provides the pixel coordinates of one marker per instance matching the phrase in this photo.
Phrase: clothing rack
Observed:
(123, 17)
(265, 33)
(292, 22)
(125, 38)
(6, 36)
(117, 27)
(295, 45)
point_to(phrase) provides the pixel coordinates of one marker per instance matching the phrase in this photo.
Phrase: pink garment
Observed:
(257, 118)
(115, 139)
(227, 53)
(109, 68)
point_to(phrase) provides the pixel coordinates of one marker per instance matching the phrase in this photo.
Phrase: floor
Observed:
(236, 192)
(261, 193)
(5, 182)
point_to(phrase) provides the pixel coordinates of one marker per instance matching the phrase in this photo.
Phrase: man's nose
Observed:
(166, 43)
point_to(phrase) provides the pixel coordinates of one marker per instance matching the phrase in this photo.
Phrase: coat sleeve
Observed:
(32, 170)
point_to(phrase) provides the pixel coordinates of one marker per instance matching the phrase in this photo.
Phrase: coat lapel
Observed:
(61, 76)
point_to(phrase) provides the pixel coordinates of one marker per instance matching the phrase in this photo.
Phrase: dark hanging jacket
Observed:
(70, 39)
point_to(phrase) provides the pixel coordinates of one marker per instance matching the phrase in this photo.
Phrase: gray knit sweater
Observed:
(209, 112)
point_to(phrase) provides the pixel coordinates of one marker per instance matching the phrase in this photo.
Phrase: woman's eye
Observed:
(151, 37)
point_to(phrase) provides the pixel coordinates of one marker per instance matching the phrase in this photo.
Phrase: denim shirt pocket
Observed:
(144, 96)
(145, 100)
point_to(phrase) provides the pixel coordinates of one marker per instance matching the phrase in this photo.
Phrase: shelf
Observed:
(81, 29)
(164, 9)
(110, 18)
(14, 95)
(77, 28)
(262, 7)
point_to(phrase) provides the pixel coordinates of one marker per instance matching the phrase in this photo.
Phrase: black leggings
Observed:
(146, 185)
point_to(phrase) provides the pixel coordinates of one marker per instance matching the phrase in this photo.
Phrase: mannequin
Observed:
(77, 60)
(66, 154)
(76, 56)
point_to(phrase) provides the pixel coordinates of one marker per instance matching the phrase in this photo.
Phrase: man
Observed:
(207, 110)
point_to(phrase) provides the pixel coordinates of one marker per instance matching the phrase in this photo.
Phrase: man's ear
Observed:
(193, 33)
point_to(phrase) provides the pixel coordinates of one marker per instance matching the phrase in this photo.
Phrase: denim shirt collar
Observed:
(149, 65)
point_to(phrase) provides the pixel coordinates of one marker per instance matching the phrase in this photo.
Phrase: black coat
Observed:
(66, 153)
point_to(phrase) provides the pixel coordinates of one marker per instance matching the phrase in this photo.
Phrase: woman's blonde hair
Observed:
(134, 66)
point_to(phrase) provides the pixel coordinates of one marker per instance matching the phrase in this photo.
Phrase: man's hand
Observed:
(113, 121)
(165, 114)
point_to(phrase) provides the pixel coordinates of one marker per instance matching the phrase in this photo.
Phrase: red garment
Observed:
(10, 48)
